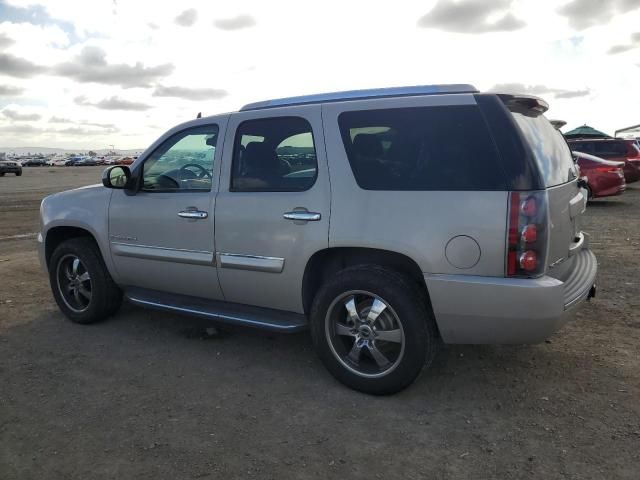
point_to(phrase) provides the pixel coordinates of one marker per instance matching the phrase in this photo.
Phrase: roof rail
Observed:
(362, 94)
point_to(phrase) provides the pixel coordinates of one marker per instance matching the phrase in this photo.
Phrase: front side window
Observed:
(184, 162)
(421, 148)
(274, 155)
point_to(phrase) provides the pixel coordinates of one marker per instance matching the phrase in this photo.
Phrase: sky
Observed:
(97, 73)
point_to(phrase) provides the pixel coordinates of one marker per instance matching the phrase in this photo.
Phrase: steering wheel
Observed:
(202, 174)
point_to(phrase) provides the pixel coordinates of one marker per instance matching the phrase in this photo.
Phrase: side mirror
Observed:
(116, 177)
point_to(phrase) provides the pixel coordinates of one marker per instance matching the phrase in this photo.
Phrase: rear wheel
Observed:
(372, 329)
(81, 283)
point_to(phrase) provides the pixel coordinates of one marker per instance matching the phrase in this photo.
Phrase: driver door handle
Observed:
(302, 216)
(193, 214)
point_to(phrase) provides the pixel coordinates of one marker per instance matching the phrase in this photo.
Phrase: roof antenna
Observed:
(199, 115)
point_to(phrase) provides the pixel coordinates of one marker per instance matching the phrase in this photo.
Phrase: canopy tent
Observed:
(586, 131)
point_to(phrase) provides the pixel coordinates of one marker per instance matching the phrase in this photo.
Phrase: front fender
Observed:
(86, 208)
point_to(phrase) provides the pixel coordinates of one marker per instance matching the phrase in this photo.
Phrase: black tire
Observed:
(1, 174)
(105, 296)
(18, 174)
(409, 305)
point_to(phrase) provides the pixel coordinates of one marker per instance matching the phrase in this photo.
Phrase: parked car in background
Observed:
(383, 230)
(604, 177)
(34, 162)
(10, 166)
(633, 151)
(58, 162)
(614, 149)
(86, 162)
(124, 161)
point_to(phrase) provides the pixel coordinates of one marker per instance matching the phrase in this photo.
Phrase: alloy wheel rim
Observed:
(365, 334)
(74, 283)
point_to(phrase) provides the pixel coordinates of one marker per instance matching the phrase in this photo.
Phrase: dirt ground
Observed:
(147, 395)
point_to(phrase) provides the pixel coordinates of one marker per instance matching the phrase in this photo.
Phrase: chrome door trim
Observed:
(255, 263)
(151, 252)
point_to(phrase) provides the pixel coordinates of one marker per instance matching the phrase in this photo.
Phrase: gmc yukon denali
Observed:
(385, 221)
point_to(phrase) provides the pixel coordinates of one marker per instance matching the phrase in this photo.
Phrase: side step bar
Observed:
(224, 312)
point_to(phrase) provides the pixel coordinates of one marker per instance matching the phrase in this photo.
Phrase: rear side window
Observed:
(602, 148)
(421, 148)
(549, 148)
(274, 155)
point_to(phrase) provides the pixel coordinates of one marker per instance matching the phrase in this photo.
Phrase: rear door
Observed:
(272, 210)
(567, 201)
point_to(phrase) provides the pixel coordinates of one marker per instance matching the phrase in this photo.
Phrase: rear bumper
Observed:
(491, 310)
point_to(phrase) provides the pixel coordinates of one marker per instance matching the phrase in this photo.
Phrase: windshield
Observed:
(549, 148)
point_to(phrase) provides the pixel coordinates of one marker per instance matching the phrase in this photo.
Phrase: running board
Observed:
(224, 312)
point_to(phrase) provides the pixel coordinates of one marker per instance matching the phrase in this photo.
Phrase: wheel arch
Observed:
(58, 234)
(329, 261)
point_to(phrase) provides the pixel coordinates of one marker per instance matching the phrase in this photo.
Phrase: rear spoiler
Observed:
(524, 102)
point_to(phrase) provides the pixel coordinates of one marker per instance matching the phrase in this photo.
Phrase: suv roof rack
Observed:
(361, 94)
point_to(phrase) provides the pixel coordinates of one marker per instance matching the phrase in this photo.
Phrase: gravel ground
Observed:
(150, 395)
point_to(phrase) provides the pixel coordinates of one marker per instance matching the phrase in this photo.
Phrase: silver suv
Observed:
(385, 221)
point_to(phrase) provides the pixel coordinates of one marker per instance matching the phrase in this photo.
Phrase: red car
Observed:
(633, 151)
(604, 178)
(614, 149)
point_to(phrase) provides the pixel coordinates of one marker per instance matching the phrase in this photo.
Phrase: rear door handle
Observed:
(194, 214)
(302, 216)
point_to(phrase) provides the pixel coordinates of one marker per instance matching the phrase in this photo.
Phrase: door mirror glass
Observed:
(116, 176)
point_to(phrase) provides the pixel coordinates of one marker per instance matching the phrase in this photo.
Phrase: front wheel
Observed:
(372, 329)
(81, 283)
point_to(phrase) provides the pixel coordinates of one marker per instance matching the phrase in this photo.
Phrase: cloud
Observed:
(5, 40)
(571, 93)
(187, 18)
(588, 13)
(20, 129)
(91, 67)
(538, 90)
(235, 23)
(13, 115)
(471, 16)
(85, 131)
(635, 42)
(189, 93)
(113, 103)
(55, 119)
(10, 91)
(60, 120)
(620, 49)
(18, 67)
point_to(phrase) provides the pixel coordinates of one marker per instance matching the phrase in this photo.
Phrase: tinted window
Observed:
(274, 154)
(601, 148)
(549, 148)
(182, 162)
(430, 148)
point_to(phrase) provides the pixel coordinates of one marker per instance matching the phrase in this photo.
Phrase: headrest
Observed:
(368, 145)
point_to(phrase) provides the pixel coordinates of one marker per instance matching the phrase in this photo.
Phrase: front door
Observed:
(162, 238)
(272, 209)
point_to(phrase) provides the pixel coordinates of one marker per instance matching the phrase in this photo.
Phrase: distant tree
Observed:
(92, 153)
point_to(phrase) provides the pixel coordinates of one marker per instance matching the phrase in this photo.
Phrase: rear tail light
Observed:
(608, 169)
(527, 234)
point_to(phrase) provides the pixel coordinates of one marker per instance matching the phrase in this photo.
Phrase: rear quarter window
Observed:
(549, 148)
(601, 148)
(421, 148)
